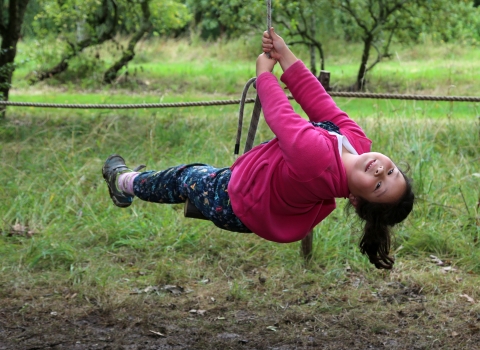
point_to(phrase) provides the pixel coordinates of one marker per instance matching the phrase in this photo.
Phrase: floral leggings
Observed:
(204, 185)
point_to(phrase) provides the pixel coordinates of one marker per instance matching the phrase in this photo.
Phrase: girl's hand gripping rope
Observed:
(274, 45)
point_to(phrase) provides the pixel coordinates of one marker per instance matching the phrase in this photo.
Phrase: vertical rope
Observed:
(257, 108)
(269, 20)
(240, 115)
(269, 15)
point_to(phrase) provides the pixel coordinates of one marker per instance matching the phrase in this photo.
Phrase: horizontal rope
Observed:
(124, 106)
(236, 102)
(406, 97)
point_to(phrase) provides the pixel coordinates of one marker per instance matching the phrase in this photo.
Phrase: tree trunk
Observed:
(307, 246)
(319, 47)
(313, 60)
(111, 74)
(367, 45)
(10, 33)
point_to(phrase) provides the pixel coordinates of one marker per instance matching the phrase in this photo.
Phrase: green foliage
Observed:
(307, 13)
(454, 22)
(72, 19)
(75, 20)
(306, 22)
(80, 25)
(85, 69)
(408, 19)
(217, 18)
(168, 16)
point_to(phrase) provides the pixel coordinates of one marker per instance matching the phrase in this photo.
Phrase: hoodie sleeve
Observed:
(314, 100)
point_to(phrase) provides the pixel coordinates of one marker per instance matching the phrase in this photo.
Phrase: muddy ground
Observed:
(395, 318)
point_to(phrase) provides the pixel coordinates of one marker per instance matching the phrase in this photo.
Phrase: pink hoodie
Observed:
(282, 189)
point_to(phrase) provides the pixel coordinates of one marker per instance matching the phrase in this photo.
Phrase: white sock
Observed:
(125, 182)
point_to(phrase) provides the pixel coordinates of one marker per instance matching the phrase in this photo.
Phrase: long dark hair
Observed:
(379, 219)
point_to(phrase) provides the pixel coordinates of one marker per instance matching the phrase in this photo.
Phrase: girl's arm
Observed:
(312, 97)
(304, 86)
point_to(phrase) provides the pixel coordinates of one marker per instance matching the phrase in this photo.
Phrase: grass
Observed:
(52, 186)
(60, 232)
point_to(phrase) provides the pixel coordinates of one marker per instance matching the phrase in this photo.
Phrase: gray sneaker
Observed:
(115, 165)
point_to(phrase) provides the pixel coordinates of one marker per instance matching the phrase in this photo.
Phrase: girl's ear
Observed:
(353, 200)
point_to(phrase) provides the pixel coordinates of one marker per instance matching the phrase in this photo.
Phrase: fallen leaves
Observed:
(158, 333)
(272, 328)
(174, 289)
(449, 269)
(436, 260)
(198, 312)
(468, 298)
(20, 230)
(446, 265)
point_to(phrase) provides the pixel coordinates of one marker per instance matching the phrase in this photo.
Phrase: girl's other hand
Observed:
(264, 64)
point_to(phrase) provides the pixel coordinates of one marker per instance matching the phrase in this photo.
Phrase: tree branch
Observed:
(111, 73)
(378, 59)
(76, 48)
(350, 11)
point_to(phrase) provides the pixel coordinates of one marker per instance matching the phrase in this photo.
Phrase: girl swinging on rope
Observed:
(281, 189)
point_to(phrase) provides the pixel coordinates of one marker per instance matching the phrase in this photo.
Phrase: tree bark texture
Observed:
(10, 29)
(307, 246)
(367, 45)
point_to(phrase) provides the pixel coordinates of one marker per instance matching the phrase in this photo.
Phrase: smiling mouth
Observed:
(369, 165)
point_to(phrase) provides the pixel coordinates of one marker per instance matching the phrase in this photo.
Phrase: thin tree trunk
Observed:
(319, 47)
(322, 56)
(111, 74)
(10, 33)
(313, 60)
(360, 83)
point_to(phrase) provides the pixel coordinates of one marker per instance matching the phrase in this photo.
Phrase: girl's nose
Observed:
(379, 170)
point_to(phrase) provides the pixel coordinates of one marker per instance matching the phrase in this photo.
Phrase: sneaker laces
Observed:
(140, 167)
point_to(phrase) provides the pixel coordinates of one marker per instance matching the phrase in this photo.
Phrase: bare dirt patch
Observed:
(395, 316)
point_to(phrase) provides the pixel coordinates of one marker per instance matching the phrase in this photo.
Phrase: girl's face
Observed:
(375, 178)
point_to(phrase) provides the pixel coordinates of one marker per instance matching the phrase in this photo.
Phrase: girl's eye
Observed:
(378, 186)
(390, 172)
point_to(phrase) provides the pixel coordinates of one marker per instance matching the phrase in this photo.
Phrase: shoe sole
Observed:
(112, 195)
